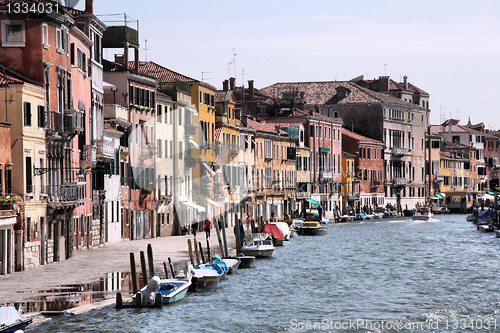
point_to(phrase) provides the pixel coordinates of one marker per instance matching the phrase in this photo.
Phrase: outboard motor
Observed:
(152, 289)
(190, 272)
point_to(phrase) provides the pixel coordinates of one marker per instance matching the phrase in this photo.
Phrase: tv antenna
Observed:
(229, 69)
(385, 69)
(146, 48)
(202, 76)
(234, 63)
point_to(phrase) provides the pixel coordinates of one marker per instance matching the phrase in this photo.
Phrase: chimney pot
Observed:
(225, 85)
(251, 91)
(405, 81)
(383, 84)
(232, 82)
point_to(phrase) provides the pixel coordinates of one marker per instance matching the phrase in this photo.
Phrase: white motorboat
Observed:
(258, 245)
(422, 214)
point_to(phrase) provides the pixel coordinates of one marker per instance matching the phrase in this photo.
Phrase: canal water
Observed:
(391, 275)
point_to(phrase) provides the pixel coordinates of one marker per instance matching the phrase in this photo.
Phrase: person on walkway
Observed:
(248, 222)
(194, 227)
(320, 212)
(273, 216)
(208, 226)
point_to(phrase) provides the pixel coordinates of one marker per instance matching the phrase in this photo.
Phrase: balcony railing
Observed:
(105, 149)
(64, 193)
(303, 195)
(399, 181)
(116, 110)
(74, 120)
(326, 174)
(438, 178)
(398, 151)
(88, 156)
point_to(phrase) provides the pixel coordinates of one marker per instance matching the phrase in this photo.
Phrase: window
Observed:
(41, 116)
(455, 138)
(166, 148)
(13, 34)
(159, 148)
(158, 114)
(311, 129)
(27, 114)
(180, 150)
(29, 175)
(45, 35)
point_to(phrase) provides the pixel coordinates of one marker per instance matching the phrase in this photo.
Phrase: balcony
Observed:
(74, 121)
(438, 178)
(399, 181)
(105, 149)
(398, 151)
(117, 112)
(88, 156)
(64, 193)
(303, 195)
(326, 174)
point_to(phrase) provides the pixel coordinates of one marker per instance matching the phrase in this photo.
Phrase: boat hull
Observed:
(205, 283)
(316, 231)
(246, 261)
(258, 253)
(169, 294)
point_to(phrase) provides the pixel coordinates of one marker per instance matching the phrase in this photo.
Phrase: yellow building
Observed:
(350, 190)
(275, 172)
(25, 110)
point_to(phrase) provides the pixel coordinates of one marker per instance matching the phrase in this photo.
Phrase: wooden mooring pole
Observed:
(195, 244)
(190, 249)
(171, 267)
(133, 272)
(165, 268)
(201, 253)
(150, 261)
(144, 270)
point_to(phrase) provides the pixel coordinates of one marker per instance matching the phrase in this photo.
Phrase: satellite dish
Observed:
(68, 3)
(71, 3)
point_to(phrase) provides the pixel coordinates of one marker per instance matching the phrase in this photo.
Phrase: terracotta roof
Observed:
(451, 121)
(321, 93)
(111, 129)
(264, 127)
(220, 96)
(360, 137)
(447, 154)
(455, 145)
(9, 79)
(393, 85)
(161, 73)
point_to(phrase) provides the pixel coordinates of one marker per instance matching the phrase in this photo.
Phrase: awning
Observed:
(312, 201)
(190, 204)
(191, 141)
(209, 169)
(439, 196)
(215, 203)
(491, 193)
(352, 198)
(324, 150)
(193, 110)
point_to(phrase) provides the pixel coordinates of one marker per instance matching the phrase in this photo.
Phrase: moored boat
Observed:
(206, 276)
(275, 232)
(171, 290)
(258, 245)
(313, 228)
(360, 217)
(232, 264)
(11, 321)
(245, 261)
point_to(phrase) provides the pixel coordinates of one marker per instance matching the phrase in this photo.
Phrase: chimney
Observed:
(225, 85)
(89, 6)
(250, 90)
(405, 81)
(232, 83)
(383, 82)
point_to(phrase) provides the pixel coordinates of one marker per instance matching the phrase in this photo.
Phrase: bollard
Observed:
(166, 270)
(201, 253)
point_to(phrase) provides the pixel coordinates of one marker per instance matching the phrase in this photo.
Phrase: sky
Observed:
(451, 49)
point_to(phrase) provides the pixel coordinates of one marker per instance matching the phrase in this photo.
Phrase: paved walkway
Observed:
(89, 266)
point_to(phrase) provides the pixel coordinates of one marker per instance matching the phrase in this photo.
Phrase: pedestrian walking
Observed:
(208, 226)
(194, 227)
(248, 222)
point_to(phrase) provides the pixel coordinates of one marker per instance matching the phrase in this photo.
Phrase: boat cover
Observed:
(274, 230)
(486, 214)
(284, 227)
(8, 315)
